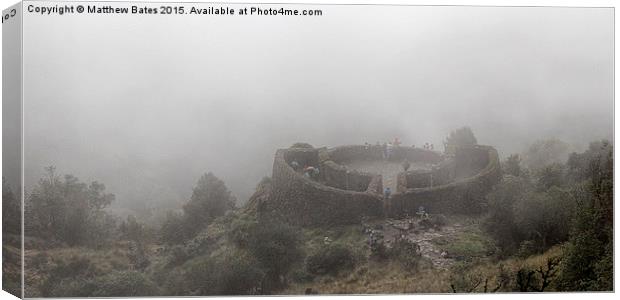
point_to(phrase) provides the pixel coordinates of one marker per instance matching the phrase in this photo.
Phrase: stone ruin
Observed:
(352, 179)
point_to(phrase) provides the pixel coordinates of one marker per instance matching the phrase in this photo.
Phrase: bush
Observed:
(527, 248)
(70, 211)
(330, 259)
(229, 272)
(550, 176)
(132, 230)
(500, 223)
(588, 259)
(210, 199)
(123, 284)
(512, 165)
(407, 253)
(173, 230)
(545, 152)
(463, 136)
(177, 255)
(518, 213)
(138, 257)
(11, 211)
(580, 165)
(70, 278)
(276, 245)
(544, 218)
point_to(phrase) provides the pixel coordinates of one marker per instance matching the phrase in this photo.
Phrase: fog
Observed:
(146, 104)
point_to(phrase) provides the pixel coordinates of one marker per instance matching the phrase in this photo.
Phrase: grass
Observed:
(468, 243)
(367, 277)
(389, 278)
(38, 263)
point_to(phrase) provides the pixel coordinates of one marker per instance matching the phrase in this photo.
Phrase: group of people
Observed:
(428, 146)
(308, 171)
(387, 147)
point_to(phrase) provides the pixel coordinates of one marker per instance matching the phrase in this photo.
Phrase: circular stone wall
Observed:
(340, 195)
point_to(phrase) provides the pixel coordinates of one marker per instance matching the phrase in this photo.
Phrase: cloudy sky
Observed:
(145, 104)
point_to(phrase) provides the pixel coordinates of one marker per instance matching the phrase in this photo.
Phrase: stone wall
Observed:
(303, 156)
(440, 175)
(376, 185)
(346, 154)
(338, 197)
(470, 160)
(304, 201)
(338, 176)
(464, 195)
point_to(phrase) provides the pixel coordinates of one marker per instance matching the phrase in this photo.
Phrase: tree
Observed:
(501, 221)
(588, 260)
(579, 164)
(551, 175)
(276, 245)
(544, 217)
(69, 210)
(173, 229)
(133, 230)
(544, 152)
(512, 165)
(210, 199)
(11, 211)
(537, 280)
(463, 136)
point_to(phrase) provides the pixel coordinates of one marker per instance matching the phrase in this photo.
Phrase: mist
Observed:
(146, 104)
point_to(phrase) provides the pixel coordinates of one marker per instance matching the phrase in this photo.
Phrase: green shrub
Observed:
(69, 278)
(123, 284)
(228, 272)
(173, 230)
(275, 244)
(527, 248)
(210, 199)
(330, 259)
(407, 253)
(460, 137)
(67, 210)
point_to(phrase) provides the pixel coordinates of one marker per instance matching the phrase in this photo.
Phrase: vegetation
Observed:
(545, 152)
(463, 136)
(564, 203)
(512, 165)
(210, 199)
(11, 211)
(69, 211)
(330, 259)
(588, 262)
(547, 228)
